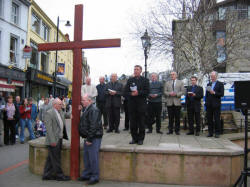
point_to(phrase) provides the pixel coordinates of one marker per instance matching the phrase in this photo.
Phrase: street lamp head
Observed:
(68, 24)
(146, 41)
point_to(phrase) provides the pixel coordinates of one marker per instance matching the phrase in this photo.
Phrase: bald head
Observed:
(57, 104)
(86, 100)
(213, 76)
(101, 79)
(113, 77)
(88, 80)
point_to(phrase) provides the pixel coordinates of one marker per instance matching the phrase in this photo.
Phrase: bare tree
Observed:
(186, 31)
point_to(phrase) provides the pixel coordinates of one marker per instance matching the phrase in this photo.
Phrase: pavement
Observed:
(14, 170)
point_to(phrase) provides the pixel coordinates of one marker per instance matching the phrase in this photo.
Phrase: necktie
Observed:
(173, 85)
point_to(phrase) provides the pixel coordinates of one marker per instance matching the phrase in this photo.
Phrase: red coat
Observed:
(25, 113)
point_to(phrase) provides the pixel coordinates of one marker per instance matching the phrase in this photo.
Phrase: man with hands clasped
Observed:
(173, 90)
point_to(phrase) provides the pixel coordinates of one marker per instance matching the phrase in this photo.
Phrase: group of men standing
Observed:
(145, 97)
(142, 97)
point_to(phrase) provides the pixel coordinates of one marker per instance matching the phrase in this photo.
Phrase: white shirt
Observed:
(60, 123)
(90, 90)
(40, 103)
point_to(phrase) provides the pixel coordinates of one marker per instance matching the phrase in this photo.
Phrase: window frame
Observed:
(16, 13)
(13, 51)
(36, 29)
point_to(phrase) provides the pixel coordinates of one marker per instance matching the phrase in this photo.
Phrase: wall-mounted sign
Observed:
(60, 69)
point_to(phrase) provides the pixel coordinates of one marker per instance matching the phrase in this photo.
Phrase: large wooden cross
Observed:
(77, 45)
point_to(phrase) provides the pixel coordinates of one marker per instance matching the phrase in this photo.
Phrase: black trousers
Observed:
(125, 106)
(137, 123)
(101, 106)
(213, 119)
(9, 132)
(174, 116)
(114, 117)
(193, 115)
(53, 163)
(154, 115)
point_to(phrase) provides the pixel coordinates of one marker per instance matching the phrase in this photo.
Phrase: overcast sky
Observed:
(104, 19)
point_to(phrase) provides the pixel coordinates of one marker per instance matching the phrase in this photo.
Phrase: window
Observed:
(1, 8)
(45, 32)
(44, 62)
(249, 12)
(222, 13)
(13, 50)
(14, 13)
(34, 56)
(35, 23)
(221, 50)
(242, 11)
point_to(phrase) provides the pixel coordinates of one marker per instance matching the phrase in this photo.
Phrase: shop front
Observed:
(62, 86)
(38, 84)
(12, 81)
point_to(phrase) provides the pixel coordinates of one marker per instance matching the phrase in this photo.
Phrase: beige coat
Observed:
(178, 89)
(53, 128)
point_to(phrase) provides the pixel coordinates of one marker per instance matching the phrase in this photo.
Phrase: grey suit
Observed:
(178, 89)
(174, 103)
(53, 162)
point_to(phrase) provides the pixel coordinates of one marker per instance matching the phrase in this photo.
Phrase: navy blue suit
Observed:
(213, 104)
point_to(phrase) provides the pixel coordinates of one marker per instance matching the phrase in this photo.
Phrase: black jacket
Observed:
(214, 100)
(194, 101)
(115, 100)
(90, 126)
(139, 101)
(101, 97)
(16, 115)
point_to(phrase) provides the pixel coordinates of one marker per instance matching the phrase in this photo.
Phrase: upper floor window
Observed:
(242, 11)
(35, 23)
(14, 13)
(13, 50)
(1, 8)
(34, 55)
(222, 13)
(45, 32)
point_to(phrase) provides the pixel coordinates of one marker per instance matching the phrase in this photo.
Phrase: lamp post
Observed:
(146, 44)
(57, 35)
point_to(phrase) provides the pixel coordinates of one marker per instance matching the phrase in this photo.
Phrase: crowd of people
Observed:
(17, 115)
(100, 108)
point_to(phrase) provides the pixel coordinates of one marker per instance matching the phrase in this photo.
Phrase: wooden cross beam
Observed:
(77, 45)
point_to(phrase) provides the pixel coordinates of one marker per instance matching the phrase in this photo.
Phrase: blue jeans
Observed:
(24, 123)
(91, 160)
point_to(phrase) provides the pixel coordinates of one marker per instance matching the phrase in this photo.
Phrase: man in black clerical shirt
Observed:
(137, 89)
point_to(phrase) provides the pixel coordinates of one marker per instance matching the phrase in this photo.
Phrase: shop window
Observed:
(35, 23)
(44, 62)
(34, 56)
(13, 50)
(14, 13)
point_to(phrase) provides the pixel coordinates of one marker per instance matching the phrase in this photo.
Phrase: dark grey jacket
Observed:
(155, 88)
(90, 126)
(114, 100)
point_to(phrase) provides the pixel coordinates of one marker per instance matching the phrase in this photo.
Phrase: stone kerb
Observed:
(166, 163)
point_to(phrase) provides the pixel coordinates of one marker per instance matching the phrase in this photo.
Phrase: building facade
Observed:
(224, 43)
(13, 37)
(43, 65)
